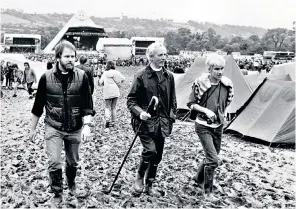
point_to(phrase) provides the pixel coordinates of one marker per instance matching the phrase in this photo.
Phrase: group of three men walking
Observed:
(65, 93)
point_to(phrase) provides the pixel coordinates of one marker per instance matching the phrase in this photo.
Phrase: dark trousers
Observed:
(29, 86)
(210, 139)
(152, 147)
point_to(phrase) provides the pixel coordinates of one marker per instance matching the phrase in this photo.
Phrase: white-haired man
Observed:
(152, 81)
(211, 94)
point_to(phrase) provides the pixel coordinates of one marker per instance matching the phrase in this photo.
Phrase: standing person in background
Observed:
(65, 94)
(111, 79)
(18, 78)
(5, 73)
(2, 74)
(152, 81)
(9, 75)
(49, 65)
(211, 94)
(88, 71)
(29, 79)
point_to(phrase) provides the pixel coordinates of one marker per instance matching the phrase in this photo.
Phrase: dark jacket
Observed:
(90, 74)
(66, 104)
(145, 85)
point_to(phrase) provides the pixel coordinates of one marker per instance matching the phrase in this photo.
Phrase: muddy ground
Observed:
(249, 176)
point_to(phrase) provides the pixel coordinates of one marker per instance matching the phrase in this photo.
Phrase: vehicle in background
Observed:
(277, 56)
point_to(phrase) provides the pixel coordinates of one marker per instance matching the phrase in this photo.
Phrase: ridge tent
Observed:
(269, 114)
(255, 80)
(184, 83)
(286, 68)
(241, 89)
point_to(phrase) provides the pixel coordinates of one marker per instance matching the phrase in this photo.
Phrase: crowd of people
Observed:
(176, 64)
(257, 64)
(15, 76)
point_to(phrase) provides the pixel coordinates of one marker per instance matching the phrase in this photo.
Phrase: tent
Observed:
(269, 114)
(78, 20)
(286, 68)
(115, 48)
(241, 89)
(255, 80)
(184, 84)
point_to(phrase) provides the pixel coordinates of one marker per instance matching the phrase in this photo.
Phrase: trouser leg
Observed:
(72, 144)
(54, 145)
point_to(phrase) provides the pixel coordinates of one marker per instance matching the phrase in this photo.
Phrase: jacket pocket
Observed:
(75, 117)
(143, 127)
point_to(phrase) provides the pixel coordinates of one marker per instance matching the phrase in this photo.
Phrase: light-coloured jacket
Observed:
(111, 80)
(30, 76)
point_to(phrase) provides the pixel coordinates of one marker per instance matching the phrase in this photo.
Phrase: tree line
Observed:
(277, 39)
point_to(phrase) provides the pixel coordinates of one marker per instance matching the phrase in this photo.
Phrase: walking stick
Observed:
(131, 146)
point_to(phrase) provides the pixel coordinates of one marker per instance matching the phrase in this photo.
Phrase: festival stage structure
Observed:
(140, 44)
(80, 31)
(22, 43)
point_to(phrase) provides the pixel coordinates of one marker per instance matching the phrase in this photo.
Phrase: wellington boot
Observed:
(149, 190)
(139, 184)
(209, 197)
(57, 200)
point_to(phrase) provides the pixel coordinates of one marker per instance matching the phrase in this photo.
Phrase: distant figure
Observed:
(18, 78)
(111, 79)
(29, 79)
(83, 66)
(9, 75)
(49, 65)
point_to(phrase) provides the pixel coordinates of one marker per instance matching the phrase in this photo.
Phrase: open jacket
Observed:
(146, 85)
(198, 92)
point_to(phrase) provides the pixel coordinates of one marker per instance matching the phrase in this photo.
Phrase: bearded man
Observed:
(64, 92)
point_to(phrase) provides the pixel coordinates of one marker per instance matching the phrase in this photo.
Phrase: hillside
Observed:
(12, 20)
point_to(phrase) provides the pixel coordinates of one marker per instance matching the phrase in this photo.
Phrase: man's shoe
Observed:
(149, 190)
(57, 200)
(14, 95)
(139, 184)
(209, 197)
(198, 183)
(72, 190)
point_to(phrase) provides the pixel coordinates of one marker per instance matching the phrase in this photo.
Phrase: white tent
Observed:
(269, 114)
(115, 48)
(78, 20)
(286, 68)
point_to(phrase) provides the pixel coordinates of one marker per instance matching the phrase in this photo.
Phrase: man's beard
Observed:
(67, 67)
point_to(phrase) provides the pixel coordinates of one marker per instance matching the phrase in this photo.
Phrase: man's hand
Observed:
(85, 133)
(211, 115)
(32, 134)
(145, 116)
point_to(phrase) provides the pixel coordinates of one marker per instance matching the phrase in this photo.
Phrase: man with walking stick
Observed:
(154, 124)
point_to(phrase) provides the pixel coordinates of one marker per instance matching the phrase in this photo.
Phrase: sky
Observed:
(257, 13)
